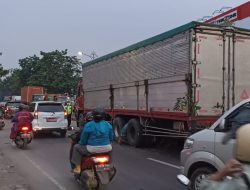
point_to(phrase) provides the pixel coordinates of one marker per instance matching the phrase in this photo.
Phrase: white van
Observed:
(204, 153)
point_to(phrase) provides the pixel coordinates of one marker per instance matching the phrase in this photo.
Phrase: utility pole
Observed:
(92, 56)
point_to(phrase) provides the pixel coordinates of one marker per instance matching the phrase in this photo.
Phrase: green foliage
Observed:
(12, 83)
(3, 72)
(55, 71)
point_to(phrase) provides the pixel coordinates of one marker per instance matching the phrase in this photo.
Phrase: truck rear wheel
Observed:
(118, 124)
(134, 133)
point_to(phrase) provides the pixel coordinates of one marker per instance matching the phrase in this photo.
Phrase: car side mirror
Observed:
(222, 124)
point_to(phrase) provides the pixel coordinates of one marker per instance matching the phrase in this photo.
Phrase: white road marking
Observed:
(164, 163)
(53, 180)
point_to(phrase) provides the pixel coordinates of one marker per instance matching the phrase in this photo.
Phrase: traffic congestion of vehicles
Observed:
(186, 87)
(158, 100)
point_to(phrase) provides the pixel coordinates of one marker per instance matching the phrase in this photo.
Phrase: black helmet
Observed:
(88, 116)
(98, 114)
(23, 107)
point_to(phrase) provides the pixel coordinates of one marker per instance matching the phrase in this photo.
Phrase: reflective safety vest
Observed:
(69, 109)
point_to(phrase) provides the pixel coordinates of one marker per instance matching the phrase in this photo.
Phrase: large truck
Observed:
(173, 83)
(32, 93)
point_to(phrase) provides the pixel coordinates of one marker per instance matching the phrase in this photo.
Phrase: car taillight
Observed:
(101, 159)
(65, 115)
(25, 128)
(36, 115)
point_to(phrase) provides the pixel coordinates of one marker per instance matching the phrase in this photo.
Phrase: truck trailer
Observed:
(32, 93)
(171, 84)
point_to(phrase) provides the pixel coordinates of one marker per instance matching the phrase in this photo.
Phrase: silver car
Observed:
(204, 153)
(49, 116)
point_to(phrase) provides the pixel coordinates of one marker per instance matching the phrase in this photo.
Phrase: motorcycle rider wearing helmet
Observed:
(22, 116)
(238, 169)
(96, 137)
(75, 137)
(88, 117)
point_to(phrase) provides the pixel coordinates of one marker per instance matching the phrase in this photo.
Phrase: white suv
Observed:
(49, 116)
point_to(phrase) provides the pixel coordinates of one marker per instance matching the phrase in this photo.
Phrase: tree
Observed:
(56, 71)
(3, 72)
(11, 82)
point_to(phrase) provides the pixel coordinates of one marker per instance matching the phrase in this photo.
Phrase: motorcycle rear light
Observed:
(36, 115)
(25, 128)
(65, 115)
(101, 160)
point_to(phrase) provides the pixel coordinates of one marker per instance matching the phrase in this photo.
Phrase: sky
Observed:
(30, 26)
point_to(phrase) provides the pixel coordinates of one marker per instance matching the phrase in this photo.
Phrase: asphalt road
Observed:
(45, 165)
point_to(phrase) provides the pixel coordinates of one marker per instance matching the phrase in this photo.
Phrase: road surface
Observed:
(44, 165)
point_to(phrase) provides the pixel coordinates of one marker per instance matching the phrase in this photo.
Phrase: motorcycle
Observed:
(24, 135)
(2, 123)
(96, 169)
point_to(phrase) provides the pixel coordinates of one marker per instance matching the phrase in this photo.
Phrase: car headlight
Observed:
(188, 143)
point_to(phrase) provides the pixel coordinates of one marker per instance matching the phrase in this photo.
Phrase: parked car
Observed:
(204, 152)
(11, 108)
(49, 116)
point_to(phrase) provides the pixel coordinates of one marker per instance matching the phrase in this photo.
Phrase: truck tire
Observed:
(198, 175)
(118, 124)
(134, 133)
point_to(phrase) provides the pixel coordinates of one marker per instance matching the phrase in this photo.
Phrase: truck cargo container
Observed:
(170, 84)
(32, 93)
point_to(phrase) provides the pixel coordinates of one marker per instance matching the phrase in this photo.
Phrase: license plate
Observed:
(25, 136)
(49, 119)
(104, 167)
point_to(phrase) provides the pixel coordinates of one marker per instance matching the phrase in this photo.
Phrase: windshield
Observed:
(38, 97)
(62, 99)
(13, 104)
(50, 107)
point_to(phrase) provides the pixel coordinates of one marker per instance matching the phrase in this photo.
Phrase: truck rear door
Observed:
(221, 65)
(241, 67)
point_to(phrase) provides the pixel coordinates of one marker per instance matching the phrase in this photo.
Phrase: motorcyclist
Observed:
(75, 137)
(96, 137)
(238, 169)
(23, 116)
